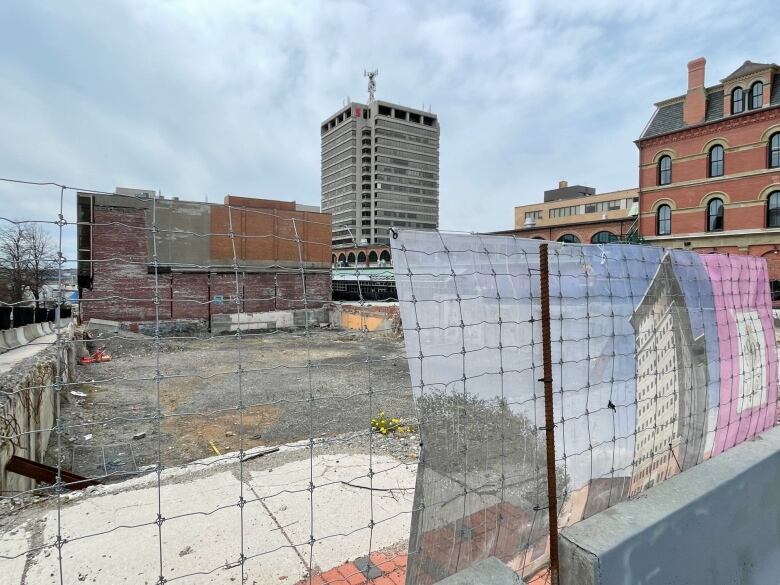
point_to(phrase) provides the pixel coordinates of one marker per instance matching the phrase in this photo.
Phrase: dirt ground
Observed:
(113, 430)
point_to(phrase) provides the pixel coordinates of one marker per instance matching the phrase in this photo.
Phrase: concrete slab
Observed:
(103, 325)
(31, 332)
(342, 504)
(21, 339)
(111, 535)
(10, 358)
(489, 571)
(12, 548)
(113, 538)
(717, 523)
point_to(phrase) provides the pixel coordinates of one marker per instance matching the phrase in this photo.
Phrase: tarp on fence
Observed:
(661, 359)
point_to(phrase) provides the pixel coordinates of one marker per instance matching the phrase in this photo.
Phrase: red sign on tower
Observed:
(358, 112)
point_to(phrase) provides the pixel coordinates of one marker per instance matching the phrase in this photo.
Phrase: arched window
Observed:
(362, 257)
(774, 150)
(737, 100)
(333, 260)
(756, 95)
(372, 257)
(342, 259)
(604, 237)
(569, 239)
(773, 209)
(716, 161)
(663, 223)
(715, 215)
(351, 258)
(665, 170)
(384, 256)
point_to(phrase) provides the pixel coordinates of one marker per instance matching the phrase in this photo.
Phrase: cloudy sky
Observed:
(201, 99)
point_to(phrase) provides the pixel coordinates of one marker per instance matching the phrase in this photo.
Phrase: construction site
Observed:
(207, 414)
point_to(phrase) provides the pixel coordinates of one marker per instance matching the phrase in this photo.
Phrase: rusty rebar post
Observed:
(549, 419)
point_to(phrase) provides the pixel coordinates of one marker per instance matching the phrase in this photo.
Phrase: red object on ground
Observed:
(100, 355)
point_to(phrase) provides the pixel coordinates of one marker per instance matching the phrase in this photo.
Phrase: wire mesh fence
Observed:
(242, 432)
(231, 432)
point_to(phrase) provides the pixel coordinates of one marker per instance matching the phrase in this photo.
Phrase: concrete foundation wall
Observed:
(717, 523)
(374, 317)
(221, 324)
(28, 405)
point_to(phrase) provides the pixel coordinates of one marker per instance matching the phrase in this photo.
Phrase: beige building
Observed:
(578, 214)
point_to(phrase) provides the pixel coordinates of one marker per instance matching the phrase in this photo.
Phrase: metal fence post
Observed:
(549, 422)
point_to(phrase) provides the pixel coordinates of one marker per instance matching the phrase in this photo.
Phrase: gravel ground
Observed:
(284, 401)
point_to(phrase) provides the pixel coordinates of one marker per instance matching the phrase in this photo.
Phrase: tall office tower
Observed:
(380, 169)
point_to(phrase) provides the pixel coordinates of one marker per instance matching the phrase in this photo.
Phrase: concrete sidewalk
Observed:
(111, 535)
(12, 357)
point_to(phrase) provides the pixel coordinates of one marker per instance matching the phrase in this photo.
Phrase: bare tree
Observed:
(26, 261)
(13, 261)
(39, 252)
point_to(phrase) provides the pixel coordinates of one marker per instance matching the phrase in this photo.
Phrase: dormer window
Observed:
(737, 100)
(756, 95)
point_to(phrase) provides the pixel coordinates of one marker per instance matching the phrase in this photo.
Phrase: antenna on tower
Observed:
(372, 75)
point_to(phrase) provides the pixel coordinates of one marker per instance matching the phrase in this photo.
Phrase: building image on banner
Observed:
(670, 383)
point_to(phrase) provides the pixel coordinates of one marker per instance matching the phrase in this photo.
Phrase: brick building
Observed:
(709, 166)
(363, 255)
(575, 213)
(196, 277)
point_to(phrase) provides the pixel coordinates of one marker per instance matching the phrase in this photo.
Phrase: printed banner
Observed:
(661, 359)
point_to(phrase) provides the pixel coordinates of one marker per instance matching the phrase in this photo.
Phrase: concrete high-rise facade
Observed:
(380, 169)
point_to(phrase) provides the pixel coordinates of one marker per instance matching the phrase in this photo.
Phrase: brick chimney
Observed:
(695, 100)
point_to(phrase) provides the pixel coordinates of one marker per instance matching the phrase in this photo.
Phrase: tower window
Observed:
(737, 100)
(716, 161)
(664, 221)
(665, 170)
(756, 95)
(715, 215)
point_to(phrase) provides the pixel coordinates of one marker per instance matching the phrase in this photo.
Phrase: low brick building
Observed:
(195, 274)
(577, 214)
(709, 166)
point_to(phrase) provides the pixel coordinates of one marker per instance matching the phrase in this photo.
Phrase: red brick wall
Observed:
(122, 289)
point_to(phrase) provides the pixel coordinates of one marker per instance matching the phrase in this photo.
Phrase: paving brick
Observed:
(383, 561)
(333, 576)
(382, 581)
(352, 574)
(397, 577)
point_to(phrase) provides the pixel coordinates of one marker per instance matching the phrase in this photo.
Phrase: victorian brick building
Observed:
(709, 166)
